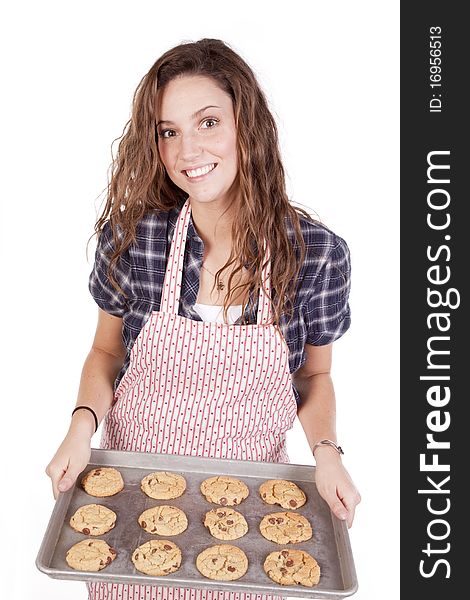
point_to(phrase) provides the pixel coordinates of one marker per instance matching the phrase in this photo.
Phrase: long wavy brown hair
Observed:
(139, 182)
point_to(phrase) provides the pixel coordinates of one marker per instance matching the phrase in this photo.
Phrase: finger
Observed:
(55, 491)
(350, 518)
(55, 476)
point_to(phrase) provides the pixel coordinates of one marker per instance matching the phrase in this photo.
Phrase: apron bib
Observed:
(200, 389)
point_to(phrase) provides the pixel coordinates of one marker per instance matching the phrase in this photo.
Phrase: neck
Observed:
(213, 223)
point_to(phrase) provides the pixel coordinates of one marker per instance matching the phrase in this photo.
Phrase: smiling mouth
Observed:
(193, 173)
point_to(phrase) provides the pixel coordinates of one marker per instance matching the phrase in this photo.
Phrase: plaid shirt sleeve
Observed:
(327, 313)
(101, 288)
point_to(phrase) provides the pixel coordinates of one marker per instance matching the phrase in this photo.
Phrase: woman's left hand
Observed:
(335, 486)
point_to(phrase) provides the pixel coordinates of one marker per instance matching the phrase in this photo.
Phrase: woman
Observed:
(198, 227)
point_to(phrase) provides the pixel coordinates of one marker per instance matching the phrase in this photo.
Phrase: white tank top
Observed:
(210, 312)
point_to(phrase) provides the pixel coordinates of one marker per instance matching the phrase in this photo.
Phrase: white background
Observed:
(330, 71)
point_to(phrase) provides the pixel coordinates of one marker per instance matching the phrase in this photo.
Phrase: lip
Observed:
(200, 177)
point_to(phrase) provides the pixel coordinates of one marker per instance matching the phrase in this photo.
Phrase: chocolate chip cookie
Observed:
(90, 555)
(157, 557)
(163, 485)
(285, 528)
(93, 519)
(226, 523)
(163, 520)
(223, 562)
(102, 482)
(223, 490)
(290, 567)
(285, 493)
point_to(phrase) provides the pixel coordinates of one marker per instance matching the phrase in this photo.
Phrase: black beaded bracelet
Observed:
(92, 412)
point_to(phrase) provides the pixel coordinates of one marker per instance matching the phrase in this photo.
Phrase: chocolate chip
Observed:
(143, 524)
(279, 520)
(90, 544)
(285, 553)
(293, 502)
(112, 551)
(137, 556)
(101, 563)
(221, 514)
(154, 529)
(222, 528)
(235, 501)
(283, 570)
(223, 501)
(272, 521)
(153, 551)
(214, 560)
(289, 562)
(167, 547)
(86, 531)
(108, 560)
(264, 495)
(231, 569)
(229, 522)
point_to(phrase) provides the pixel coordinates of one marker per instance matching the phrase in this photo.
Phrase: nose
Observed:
(190, 147)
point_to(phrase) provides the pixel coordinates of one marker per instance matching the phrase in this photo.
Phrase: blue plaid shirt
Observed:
(321, 311)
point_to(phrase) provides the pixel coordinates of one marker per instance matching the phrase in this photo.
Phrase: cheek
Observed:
(165, 155)
(227, 146)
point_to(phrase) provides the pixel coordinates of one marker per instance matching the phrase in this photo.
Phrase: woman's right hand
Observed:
(70, 459)
(96, 391)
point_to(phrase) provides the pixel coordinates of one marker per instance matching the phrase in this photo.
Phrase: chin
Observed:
(203, 199)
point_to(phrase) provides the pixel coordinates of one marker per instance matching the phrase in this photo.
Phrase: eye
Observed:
(166, 133)
(210, 122)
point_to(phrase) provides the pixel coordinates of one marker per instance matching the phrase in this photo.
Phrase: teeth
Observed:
(200, 171)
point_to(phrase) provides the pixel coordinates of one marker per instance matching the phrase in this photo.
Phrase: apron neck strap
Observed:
(171, 292)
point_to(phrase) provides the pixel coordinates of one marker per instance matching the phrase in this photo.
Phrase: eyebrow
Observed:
(196, 114)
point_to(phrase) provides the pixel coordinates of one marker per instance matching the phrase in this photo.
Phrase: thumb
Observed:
(68, 479)
(339, 510)
(64, 484)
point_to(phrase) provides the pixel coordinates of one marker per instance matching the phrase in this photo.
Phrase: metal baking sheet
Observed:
(330, 544)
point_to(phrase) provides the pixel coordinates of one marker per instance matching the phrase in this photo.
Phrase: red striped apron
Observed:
(202, 389)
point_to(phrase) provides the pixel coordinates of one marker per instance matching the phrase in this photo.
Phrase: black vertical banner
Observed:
(435, 333)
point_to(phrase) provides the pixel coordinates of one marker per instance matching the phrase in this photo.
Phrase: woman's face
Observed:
(197, 138)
